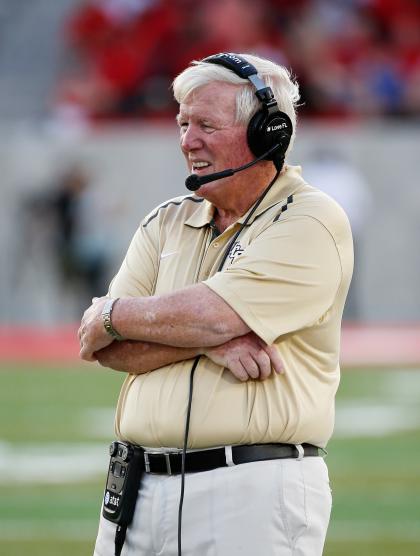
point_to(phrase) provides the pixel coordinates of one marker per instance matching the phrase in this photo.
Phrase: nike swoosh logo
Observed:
(164, 255)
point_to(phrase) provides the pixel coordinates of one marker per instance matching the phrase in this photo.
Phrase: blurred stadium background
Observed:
(88, 145)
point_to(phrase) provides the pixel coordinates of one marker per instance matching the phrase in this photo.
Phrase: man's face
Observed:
(210, 139)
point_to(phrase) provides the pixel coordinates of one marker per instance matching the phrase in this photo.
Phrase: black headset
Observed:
(269, 126)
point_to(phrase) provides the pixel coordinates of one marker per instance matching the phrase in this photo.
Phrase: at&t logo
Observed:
(113, 500)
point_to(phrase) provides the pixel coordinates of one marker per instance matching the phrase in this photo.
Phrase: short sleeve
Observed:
(286, 279)
(137, 275)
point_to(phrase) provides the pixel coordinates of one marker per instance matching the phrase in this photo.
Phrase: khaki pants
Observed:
(270, 508)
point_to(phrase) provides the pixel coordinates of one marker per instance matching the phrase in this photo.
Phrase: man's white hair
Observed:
(285, 89)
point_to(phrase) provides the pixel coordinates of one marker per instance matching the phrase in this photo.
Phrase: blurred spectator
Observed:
(70, 208)
(330, 171)
(353, 58)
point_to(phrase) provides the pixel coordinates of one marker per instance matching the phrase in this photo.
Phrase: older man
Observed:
(247, 275)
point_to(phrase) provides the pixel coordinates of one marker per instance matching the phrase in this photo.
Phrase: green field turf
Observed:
(49, 415)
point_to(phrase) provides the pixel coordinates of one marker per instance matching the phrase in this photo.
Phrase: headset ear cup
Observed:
(256, 141)
(265, 130)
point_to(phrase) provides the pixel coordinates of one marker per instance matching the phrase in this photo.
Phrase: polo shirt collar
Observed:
(202, 216)
(286, 184)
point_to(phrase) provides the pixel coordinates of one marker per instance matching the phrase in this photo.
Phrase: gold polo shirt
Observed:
(287, 276)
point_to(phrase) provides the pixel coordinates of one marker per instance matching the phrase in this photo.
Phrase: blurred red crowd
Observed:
(353, 58)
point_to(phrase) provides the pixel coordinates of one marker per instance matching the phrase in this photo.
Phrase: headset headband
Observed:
(245, 70)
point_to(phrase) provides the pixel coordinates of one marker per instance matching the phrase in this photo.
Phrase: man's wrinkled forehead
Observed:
(217, 99)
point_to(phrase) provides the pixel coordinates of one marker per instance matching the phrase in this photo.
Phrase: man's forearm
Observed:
(192, 317)
(141, 357)
(247, 357)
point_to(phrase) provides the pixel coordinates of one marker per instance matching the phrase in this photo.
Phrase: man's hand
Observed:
(246, 357)
(92, 334)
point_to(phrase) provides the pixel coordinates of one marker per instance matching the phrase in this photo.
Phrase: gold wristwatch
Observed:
(106, 318)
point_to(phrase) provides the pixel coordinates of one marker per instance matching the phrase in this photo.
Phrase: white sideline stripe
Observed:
(72, 529)
(52, 463)
(369, 419)
(394, 408)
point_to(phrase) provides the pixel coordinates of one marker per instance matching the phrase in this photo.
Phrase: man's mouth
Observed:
(199, 165)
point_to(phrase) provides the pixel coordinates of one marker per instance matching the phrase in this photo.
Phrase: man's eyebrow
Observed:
(204, 120)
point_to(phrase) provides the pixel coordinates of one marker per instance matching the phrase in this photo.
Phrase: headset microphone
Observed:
(194, 182)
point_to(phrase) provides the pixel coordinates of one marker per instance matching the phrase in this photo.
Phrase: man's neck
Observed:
(226, 214)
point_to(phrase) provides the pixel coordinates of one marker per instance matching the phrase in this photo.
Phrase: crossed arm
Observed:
(173, 327)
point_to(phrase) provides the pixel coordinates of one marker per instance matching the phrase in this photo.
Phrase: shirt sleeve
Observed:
(286, 279)
(137, 275)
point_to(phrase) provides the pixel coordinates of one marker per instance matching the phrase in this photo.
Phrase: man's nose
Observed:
(191, 139)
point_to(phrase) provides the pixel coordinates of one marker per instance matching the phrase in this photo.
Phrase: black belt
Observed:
(205, 460)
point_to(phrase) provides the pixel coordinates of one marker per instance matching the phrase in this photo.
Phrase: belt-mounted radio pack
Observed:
(126, 467)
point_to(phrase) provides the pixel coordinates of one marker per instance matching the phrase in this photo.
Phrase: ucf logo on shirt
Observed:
(235, 252)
